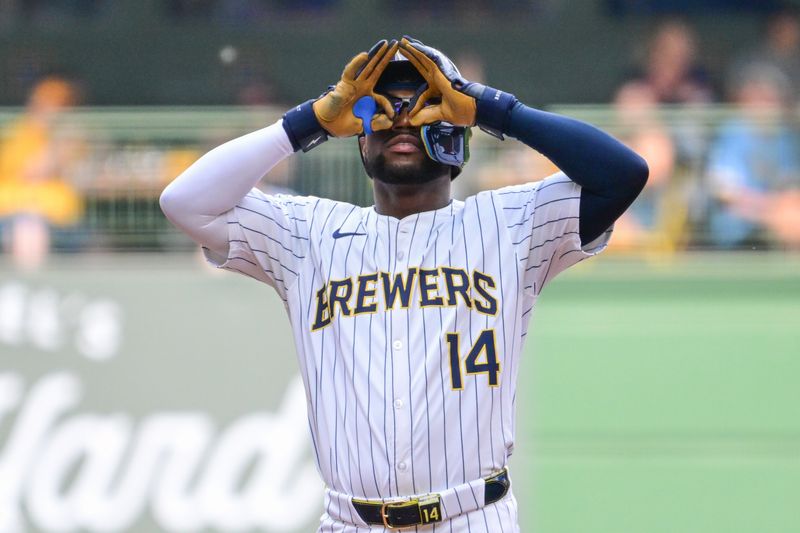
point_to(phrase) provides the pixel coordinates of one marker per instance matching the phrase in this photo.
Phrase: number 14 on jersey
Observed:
(475, 362)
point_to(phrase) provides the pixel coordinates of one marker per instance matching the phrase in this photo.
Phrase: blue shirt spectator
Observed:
(754, 160)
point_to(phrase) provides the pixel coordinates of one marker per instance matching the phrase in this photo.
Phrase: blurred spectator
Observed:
(670, 68)
(672, 74)
(34, 196)
(754, 165)
(780, 49)
(658, 218)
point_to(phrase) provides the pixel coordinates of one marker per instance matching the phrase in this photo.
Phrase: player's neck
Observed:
(400, 201)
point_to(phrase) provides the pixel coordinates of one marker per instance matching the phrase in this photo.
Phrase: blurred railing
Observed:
(712, 169)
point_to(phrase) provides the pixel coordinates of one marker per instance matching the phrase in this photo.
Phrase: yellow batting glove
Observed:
(463, 103)
(334, 109)
(443, 77)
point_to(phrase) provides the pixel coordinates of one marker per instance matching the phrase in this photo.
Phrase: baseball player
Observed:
(409, 316)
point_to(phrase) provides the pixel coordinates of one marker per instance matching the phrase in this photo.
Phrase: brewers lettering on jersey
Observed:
(410, 316)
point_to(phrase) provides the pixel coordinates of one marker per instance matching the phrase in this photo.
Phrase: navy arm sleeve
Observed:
(611, 175)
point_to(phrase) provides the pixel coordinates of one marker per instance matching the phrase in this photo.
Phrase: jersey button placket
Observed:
(402, 360)
(399, 402)
(403, 240)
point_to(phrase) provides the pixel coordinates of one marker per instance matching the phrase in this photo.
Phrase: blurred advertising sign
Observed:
(142, 393)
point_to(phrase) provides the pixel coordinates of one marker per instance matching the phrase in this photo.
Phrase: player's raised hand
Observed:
(444, 82)
(463, 103)
(334, 109)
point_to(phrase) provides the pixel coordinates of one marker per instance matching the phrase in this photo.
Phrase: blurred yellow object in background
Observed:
(32, 159)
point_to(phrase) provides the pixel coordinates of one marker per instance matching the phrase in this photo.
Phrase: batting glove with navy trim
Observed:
(463, 103)
(309, 124)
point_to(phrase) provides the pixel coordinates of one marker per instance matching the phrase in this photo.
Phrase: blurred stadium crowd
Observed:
(722, 140)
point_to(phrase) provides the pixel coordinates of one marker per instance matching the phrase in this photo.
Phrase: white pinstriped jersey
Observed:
(409, 332)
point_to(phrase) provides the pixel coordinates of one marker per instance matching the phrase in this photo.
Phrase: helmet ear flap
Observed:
(447, 144)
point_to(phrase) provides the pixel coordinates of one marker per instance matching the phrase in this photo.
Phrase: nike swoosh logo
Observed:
(315, 141)
(338, 235)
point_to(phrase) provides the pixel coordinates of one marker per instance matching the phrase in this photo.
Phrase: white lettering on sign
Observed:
(103, 472)
(49, 321)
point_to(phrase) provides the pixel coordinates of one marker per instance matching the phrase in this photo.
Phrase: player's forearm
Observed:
(610, 174)
(590, 157)
(218, 180)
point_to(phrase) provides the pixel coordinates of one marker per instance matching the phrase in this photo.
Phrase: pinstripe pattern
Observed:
(370, 310)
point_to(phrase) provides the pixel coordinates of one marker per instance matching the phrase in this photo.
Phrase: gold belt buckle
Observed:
(428, 507)
(385, 515)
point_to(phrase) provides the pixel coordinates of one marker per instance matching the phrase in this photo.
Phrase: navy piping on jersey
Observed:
(264, 215)
(391, 352)
(552, 240)
(477, 407)
(369, 389)
(354, 386)
(503, 317)
(275, 259)
(528, 191)
(536, 266)
(546, 274)
(270, 238)
(461, 394)
(387, 333)
(425, 347)
(554, 220)
(333, 380)
(528, 217)
(441, 373)
(408, 356)
(321, 365)
(335, 450)
(265, 270)
(529, 234)
(229, 258)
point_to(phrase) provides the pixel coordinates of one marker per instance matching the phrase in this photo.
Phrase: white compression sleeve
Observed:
(197, 200)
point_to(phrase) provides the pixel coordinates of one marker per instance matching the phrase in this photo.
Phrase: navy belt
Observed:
(423, 510)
